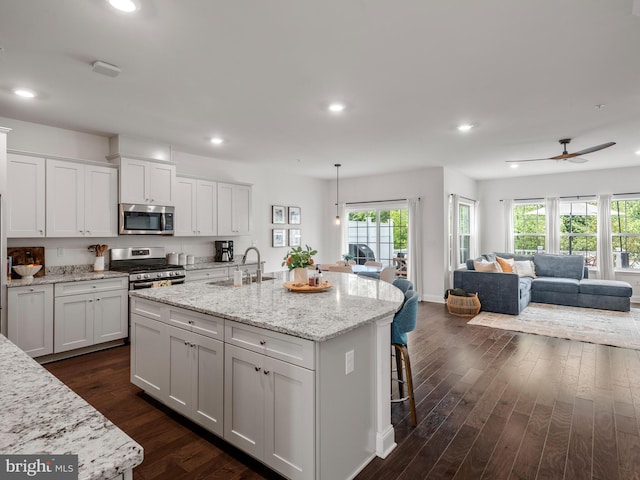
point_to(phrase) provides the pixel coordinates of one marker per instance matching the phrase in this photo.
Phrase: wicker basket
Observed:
(463, 306)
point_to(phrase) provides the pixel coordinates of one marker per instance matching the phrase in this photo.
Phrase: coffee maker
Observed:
(224, 250)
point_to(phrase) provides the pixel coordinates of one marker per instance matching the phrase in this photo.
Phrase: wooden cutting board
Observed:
(25, 256)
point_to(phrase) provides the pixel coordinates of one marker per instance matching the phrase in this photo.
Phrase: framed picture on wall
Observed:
(295, 237)
(278, 214)
(294, 215)
(279, 237)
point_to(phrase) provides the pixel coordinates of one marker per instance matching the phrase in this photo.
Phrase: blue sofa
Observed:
(560, 280)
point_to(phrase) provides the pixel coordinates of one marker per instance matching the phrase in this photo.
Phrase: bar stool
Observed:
(403, 322)
(403, 284)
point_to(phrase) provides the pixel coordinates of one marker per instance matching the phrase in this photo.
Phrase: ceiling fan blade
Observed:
(528, 160)
(564, 156)
(577, 160)
(596, 148)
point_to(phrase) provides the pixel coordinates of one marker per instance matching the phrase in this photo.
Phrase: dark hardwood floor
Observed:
(491, 404)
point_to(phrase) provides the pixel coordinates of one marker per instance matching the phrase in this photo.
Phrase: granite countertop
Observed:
(41, 415)
(68, 277)
(352, 301)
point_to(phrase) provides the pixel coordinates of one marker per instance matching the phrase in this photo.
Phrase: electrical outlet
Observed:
(60, 252)
(348, 362)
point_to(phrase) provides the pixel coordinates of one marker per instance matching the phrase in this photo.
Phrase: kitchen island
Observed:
(299, 381)
(40, 415)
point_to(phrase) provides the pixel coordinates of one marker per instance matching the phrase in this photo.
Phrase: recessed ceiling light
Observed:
(336, 107)
(124, 5)
(514, 165)
(637, 152)
(217, 141)
(465, 127)
(22, 92)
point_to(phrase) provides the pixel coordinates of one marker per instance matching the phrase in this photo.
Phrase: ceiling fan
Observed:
(570, 157)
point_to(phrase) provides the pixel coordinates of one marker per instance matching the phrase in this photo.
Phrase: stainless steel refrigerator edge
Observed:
(3, 237)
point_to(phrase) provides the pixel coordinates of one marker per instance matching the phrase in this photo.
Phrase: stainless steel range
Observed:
(147, 267)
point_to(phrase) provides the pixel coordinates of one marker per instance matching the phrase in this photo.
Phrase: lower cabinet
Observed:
(263, 405)
(85, 319)
(269, 410)
(30, 318)
(196, 370)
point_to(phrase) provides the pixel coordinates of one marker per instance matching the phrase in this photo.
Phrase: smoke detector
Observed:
(105, 68)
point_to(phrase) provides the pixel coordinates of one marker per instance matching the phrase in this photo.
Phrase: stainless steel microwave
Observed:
(145, 219)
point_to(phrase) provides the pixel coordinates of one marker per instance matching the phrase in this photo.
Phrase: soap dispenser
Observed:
(237, 277)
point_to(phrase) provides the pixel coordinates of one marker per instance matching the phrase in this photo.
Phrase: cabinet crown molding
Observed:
(58, 157)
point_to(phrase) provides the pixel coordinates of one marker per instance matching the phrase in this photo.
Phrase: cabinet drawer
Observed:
(207, 274)
(206, 325)
(297, 351)
(78, 288)
(146, 308)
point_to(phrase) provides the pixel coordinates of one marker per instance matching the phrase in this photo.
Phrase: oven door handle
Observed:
(140, 285)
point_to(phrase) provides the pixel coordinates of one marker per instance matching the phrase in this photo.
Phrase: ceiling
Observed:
(261, 74)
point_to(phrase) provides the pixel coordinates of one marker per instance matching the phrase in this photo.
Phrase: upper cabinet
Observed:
(234, 209)
(147, 182)
(196, 207)
(81, 200)
(25, 196)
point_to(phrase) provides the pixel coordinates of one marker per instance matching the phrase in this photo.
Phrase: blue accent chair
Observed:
(403, 322)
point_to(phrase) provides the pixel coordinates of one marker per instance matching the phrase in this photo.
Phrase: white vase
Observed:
(98, 265)
(300, 275)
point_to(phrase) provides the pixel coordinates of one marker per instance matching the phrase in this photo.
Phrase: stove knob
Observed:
(160, 274)
(171, 274)
(146, 275)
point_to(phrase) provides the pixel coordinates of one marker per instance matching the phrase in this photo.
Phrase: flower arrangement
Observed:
(298, 257)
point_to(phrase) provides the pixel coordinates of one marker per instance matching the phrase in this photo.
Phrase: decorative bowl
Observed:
(27, 271)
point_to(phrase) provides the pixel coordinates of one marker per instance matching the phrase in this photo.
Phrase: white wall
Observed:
(433, 185)
(270, 187)
(621, 180)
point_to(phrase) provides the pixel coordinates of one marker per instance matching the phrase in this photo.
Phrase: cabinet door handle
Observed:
(41, 232)
(262, 342)
(186, 343)
(32, 289)
(90, 301)
(257, 369)
(89, 232)
(266, 372)
(97, 299)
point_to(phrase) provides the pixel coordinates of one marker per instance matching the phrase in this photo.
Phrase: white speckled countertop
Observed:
(67, 277)
(41, 415)
(204, 266)
(352, 301)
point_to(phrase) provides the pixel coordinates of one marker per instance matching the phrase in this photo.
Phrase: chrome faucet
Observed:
(259, 270)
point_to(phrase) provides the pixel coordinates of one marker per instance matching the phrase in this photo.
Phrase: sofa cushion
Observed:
(515, 256)
(486, 267)
(559, 266)
(612, 288)
(558, 285)
(505, 263)
(524, 268)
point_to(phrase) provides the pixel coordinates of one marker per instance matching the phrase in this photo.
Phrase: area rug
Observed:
(605, 327)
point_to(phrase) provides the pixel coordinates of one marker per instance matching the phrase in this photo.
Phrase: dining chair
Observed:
(341, 268)
(388, 274)
(371, 263)
(404, 322)
(325, 267)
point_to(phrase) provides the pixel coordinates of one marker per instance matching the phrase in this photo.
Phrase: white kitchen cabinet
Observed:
(196, 377)
(196, 207)
(147, 182)
(234, 209)
(269, 411)
(221, 273)
(81, 200)
(149, 360)
(25, 200)
(30, 318)
(87, 313)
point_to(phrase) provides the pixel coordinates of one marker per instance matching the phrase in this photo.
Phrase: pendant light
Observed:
(337, 165)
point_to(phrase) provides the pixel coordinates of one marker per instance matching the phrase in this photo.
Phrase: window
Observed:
(465, 218)
(625, 228)
(529, 228)
(378, 234)
(578, 229)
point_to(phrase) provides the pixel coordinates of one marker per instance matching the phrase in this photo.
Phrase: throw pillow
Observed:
(525, 268)
(505, 263)
(486, 266)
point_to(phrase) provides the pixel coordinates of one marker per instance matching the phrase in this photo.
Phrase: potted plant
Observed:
(299, 260)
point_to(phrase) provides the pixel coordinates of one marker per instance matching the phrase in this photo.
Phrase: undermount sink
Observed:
(228, 282)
